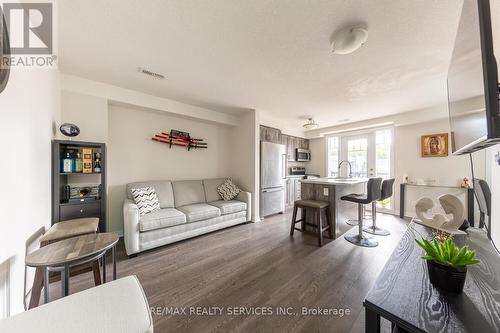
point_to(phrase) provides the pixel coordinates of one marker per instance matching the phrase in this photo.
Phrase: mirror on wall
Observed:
(4, 53)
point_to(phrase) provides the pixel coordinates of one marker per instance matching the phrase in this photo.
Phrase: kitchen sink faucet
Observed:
(350, 167)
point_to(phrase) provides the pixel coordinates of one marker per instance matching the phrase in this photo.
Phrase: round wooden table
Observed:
(62, 255)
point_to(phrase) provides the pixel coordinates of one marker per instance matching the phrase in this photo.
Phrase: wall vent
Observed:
(151, 73)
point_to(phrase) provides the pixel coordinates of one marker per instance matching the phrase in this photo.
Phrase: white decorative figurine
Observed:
(451, 206)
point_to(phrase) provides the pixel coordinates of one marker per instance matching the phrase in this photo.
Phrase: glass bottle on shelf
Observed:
(97, 162)
(67, 163)
(78, 162)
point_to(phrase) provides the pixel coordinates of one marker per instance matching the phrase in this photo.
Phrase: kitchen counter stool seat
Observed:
(318, 207)
(373, 192)
(386, 193)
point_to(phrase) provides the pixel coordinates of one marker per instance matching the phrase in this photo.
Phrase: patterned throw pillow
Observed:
(146, 199)
(227, 190)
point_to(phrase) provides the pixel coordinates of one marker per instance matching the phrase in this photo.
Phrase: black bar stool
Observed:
(387, 186)
(372, 194)
(318, 207)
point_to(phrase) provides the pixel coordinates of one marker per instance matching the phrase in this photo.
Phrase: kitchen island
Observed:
(331, 190)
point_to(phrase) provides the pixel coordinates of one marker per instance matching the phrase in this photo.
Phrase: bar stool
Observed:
(387, 186)
(318, 207)
(372, 194)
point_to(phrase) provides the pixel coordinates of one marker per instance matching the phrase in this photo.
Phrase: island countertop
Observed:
(334, 181)
(332, 190)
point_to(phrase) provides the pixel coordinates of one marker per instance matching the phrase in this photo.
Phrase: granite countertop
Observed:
(335, 181)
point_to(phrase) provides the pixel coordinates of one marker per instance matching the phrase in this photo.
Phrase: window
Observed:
(333, 156)
(357, 155)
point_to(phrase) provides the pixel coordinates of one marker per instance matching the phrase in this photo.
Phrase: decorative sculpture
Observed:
(451, 206)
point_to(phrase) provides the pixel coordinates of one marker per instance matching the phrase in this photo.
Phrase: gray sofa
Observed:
(188, 208)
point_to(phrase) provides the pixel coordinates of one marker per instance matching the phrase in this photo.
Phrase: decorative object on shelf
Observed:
(446, 263)
(497, 158)
(435, 145)
(97, 163)
(4, 53)
(310, 125)
(465, 183)
(69, 130)
(179, 138)
(451, 205)
(87, 160)
(406, 179)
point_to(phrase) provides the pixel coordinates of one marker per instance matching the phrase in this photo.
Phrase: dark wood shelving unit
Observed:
(64, 209)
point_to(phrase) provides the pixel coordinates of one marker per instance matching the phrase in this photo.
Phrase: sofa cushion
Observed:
(163, 190)
(229, 207)
(146, 200)
(162, 218)
(228, 190)
(188, 192)
(210, 186)
(199, 211)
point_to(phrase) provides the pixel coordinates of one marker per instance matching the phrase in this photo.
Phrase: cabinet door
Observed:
(297, 187)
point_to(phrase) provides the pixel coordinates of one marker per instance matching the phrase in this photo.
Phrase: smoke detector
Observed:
(349, 40)
(150, 73)
(310, 125)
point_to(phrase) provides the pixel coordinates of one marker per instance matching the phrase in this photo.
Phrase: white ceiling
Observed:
(231, 55)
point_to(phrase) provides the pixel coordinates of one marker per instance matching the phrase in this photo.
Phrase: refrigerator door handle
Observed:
(284, 158)
(273, 190)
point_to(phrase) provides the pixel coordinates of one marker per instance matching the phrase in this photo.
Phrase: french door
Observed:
(370, 155)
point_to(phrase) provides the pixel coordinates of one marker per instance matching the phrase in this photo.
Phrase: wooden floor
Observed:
(253, 266)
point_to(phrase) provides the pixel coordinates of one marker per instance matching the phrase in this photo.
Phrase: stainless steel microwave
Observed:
(302, 155)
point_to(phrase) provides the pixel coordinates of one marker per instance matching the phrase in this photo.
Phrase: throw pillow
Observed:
(228, 190)
(146, 199)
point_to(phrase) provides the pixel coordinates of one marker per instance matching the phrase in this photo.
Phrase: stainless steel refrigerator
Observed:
(272, 178)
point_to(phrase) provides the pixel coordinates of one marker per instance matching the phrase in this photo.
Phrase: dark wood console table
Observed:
(403, 294)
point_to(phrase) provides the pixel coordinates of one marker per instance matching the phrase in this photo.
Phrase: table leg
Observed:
(36, 290)
(45, 285)
(65, 280)
(113, 252)
(104, 268)
(372, 321)
(97, 272)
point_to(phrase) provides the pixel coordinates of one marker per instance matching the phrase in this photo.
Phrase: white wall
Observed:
(28, 107)
(88, 112)
(245, 157)
(133, 156)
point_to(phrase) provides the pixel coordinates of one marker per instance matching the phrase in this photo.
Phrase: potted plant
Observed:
(447, 264)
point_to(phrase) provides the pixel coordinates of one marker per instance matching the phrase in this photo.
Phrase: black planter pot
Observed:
(446, 277)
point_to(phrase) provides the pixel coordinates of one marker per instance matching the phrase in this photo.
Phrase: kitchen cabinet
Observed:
(270, 134)
(292, 143)
(293, 190)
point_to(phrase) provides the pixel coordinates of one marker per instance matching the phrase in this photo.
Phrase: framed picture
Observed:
(435, 145)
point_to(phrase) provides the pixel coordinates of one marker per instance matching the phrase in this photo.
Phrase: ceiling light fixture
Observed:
(349, 40)
(310, 125)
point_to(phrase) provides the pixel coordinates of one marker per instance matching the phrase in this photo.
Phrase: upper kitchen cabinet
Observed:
(270, 134)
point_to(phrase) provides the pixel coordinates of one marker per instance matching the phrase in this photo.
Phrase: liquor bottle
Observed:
(97, 162)
(78, 163)
(67, 164)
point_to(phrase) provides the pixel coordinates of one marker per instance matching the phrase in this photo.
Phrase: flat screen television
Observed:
(473, 90)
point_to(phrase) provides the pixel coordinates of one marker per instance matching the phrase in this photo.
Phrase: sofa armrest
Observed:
(131, 226)
(247, 198)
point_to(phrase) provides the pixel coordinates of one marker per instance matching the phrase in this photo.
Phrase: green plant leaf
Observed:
(447, 253)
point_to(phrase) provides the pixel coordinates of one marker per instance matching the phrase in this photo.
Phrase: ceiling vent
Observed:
(151, 73)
